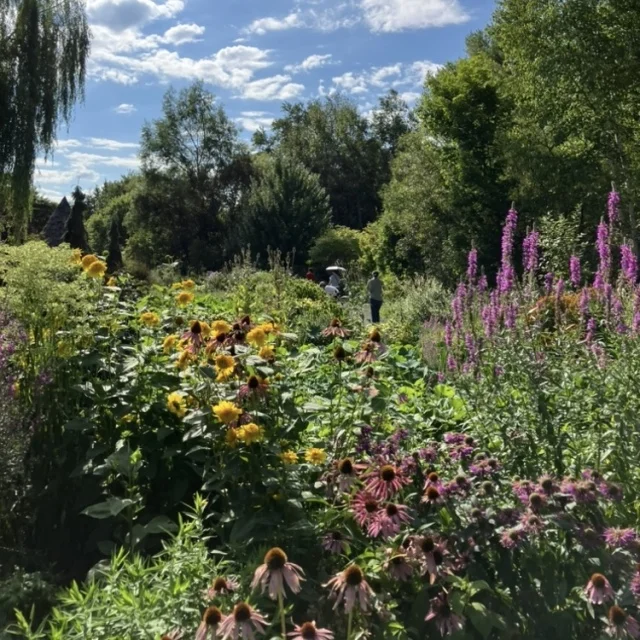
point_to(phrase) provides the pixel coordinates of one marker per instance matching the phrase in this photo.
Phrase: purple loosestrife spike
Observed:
(548, 282)
(636, 311)
(584, 302)
(559, 289)
(448, 334)
(591, 330)
(530, 252)
(575, 272)
(472, 266)
(510, 316)
(629, 264)
(613, 206)
(483, 285)
(452, 365)
(604, 251)
(506, 275)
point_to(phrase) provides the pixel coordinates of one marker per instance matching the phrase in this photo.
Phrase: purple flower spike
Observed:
(613, 207)
(575, 273)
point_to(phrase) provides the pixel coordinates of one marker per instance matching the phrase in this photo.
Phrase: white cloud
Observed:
(183, 33)
(112, 75)
(86, 160)
(254, 120)
(276, 87)
(123, 14)
(111, 145)
(384, 78)
(264, 25)
(61, 145)
(125, 108)
(64, 178)
(398, 15)
(410, 97)
(312, 62)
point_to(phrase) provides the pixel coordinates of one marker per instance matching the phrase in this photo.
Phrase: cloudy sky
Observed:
(253, 54)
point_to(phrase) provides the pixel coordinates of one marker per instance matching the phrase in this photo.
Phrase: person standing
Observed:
(374, 288)
(310, 275)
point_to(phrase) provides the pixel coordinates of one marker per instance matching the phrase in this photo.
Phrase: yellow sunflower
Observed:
(188, 284)
(184, 298)
(76, 256)
(257, 337)
(184, 360)
(267, 352)
(169, 344)
(252, 433)
(112, 282)
(268, 327)
(289, 457)
(88, 260)
(220, 326)
(205, 329)
(226, 411)
(177, 404)
(225, 366)
(149, 319)
(96, 269)
(315, 455)
(231, 437)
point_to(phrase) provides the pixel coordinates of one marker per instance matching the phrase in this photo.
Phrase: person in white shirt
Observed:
(334, 280)
(374, 289)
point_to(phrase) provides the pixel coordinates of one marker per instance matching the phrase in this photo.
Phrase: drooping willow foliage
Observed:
(44, 45)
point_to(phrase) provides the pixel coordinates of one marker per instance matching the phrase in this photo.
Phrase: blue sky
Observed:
(253, 54)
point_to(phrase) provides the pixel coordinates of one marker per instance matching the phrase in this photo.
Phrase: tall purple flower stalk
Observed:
(458, 306)
(559, 290)
(483, 285)
(591, 330)
(575, 271)
(506, 275)
(472, 266)
(530, 252)
(584, 302)
(548, 282)
(613, 207)
(448, 334)
(604, 254)
(510, 314)
(628, 264)
(636, 312)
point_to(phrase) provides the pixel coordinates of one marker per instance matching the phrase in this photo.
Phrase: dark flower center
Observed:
(476, 513)
(535, 500)
(196, 328)
(371, 505)
(392, 510)
(547, 484)
(219, 584)
(433, 477)
(212, 616)
(591, 485)
(353, 576)
(336, 323)
(437, 556)
(369, 372)
(242, 612)
(617, 616)
(461, 481)
(246, 320)
(614, 490)
(346, 466)
(598, 580)
(432, 494)
(487, 487)
(492, 462)
(388, 473)
(375, 336)
(469, 441)
(308, 631)
(534, 521)
(514, 535)
(339, 353)
(275, 559)
(221, 337)
(427, 545)
(253, 383)
(337, 536)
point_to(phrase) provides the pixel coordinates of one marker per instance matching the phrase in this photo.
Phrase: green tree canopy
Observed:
(44, 46)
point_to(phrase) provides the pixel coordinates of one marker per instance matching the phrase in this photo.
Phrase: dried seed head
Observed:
(275, 559)
(353, 576)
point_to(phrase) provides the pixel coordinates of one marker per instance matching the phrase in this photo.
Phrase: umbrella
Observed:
(336, 268)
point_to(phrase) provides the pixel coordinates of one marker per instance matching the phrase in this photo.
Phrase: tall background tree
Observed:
(75, 234)
(44, 46)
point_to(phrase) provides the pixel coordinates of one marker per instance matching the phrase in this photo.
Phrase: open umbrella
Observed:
(336, 268)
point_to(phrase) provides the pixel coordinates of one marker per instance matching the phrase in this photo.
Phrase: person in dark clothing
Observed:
(374, 289)
(310, 275)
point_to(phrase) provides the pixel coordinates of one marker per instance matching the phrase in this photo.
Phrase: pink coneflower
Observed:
(254, 387)
(536, 502)
(432, 495)
(598, 589)
(365, 507)
(334, 542)
(611, 491)
(523, 489)
(385, 481)
(275, 571)
(222, 586)
(582, 492)
(443, 617)
(621, 538)
(433, 480)
(369, 352)
(622, 625)
(532, 523)
(484, 468)
(512, 538)
(194, 336)
(548, 485)
(389, 520)
(211, 619)
(350, 585)
(454, 438)
(346, 474)
(335, 329)
(429, 553)
(309, 631)
(634, 586)
(397, 565)
(244, 620)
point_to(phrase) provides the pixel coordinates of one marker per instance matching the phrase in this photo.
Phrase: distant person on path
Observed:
(334, 280)
(310, 275)
(374, 288)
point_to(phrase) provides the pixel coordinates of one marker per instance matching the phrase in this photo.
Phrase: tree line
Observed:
(542, 110)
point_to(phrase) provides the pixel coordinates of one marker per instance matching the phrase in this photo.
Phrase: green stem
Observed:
(282, 620)
(349, 623)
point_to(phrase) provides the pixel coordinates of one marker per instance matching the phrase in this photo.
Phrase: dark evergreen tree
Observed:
(114, 256)
(75, 234)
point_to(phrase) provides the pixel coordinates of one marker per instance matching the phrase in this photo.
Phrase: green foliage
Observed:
(287, 209)
(561, 238)
(114, 255)
(337, 245)
(43, 52)
(23, 591)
